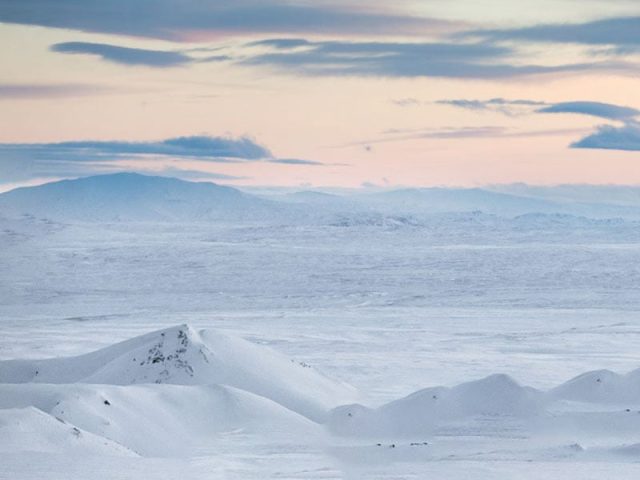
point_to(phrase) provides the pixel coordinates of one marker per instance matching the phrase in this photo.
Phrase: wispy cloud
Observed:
(621, 31)
(407, 59)
(219, 149)
(506, 106)
(594, 109)
(180, 20)
(453, 133)
(124, 55)
(135, 56)
(35, 91)
(295, 161)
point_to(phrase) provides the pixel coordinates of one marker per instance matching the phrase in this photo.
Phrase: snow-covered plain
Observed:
(368, 345)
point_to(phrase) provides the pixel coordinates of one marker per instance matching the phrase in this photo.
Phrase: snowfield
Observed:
(310, 335)
(179, 393)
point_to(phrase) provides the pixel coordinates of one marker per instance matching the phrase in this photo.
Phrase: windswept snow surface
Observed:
(272, 309)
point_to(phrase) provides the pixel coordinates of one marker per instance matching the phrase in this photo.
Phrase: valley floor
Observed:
(388, 309)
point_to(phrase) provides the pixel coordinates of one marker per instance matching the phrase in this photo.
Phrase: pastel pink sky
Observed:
(381, 128)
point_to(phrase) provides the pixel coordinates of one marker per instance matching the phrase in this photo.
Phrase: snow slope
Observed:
(182, 356)
(159, 420)
(31, 430)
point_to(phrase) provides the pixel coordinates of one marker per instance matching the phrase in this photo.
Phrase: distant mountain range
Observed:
(124, 197)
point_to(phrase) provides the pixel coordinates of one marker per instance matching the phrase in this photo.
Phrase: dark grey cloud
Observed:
(621, 31)
(405, 59)
(125, 55)
(35, 91)
(595, 109)
(187, 19)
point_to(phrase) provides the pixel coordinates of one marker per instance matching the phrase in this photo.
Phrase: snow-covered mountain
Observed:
(133, 197)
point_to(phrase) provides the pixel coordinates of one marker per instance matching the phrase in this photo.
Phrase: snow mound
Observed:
(425, 410)
(601, 386)
(31, 430)
(161, 420)
(182, 356)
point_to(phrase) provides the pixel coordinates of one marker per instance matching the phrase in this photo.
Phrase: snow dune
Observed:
(159, 420)
(182, 356)
(500, 398)
(425, 410)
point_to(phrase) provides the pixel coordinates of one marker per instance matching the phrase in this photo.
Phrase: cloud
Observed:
(609, 137)
(135, 56)
(25, 161)
(621, 31)
(501, 105)
(407, 102)
(190, 174)
(625, 137)
(295, 161)
(219, 149)
(124, 55)
(184, 20)
(524, 106)
(453, 133)
(35, 91)
(405, 59)
(595, 109)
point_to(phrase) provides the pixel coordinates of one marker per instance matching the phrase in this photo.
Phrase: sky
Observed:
(306, 93)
